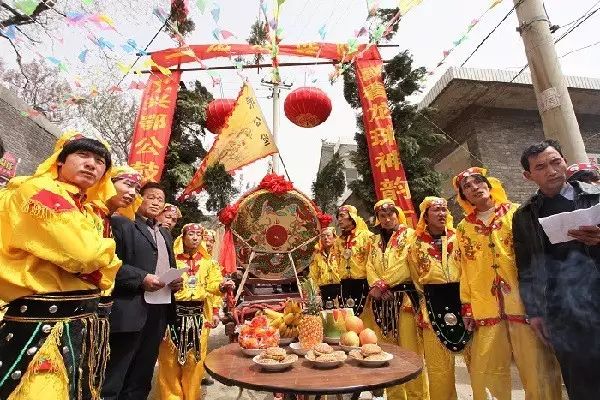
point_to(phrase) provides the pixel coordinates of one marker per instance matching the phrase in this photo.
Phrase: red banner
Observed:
(331, 51)
(152, 129)
(388, 173)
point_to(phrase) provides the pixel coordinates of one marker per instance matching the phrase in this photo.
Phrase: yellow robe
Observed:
(391, 267)
(427, 268)
(182, 382)
(489, 291)
(49, 244)
(324, 267)
(356, 245)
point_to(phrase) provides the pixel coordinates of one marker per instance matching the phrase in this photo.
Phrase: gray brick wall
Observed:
(496, 137)
(30, 139)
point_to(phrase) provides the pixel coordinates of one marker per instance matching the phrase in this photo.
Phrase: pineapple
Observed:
(310, 328)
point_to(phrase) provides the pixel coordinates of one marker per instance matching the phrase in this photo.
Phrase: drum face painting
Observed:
(274, 226)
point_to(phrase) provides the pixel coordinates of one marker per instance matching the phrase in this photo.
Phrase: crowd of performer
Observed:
(82, 243)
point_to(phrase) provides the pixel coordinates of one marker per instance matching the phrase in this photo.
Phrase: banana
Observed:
(289, 318)
(277, 322)
(272, 314)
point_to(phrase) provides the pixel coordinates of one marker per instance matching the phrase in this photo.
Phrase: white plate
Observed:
(375, 363)
(286, 340)
(331, 340)
(251, 352)
(297, 349)
(348, 349)
(325, 364)
(275, 367)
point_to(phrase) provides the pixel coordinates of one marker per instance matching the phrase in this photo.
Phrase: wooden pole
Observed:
(554, 103)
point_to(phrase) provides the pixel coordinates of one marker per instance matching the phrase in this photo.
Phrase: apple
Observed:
(350, 339)
(354, 324)
(367, 336)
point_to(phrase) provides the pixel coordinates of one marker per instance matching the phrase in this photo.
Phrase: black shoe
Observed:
(207, 381)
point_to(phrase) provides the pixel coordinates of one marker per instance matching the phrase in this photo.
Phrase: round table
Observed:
(229, 366)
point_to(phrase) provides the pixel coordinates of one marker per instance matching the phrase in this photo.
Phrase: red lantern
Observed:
(307, 107)
(216, 113)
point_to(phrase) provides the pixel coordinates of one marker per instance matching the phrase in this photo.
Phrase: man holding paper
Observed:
(138, 320)
(560, 279)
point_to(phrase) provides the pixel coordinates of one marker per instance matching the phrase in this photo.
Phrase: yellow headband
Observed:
(101, 191)
(178, 243)
(384, 204)
(497, 191)
(424, 206)
(353, 213)
(126, 172)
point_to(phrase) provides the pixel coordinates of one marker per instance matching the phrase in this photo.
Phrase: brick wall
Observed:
(30, 139)
(496, 138)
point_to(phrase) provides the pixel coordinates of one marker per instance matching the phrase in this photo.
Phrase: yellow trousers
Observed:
(492, 349)
(176, 381)
(410, 337)
(440, 367)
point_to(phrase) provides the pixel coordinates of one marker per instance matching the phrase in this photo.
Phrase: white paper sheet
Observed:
(557, 226)
(163, 296)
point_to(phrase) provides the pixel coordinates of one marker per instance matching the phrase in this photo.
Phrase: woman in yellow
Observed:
(392, 294)
(324, 269)
(489, 292)
(437, 283)
(353, 246)
(181, 354)
(54, 264)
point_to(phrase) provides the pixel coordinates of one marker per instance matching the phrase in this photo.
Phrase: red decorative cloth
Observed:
(276, 184)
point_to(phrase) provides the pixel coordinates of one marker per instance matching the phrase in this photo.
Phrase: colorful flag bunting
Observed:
(83, 55)
(215, 12)
(26, 6)
(322, 32)
(226, 34)
(201, 5)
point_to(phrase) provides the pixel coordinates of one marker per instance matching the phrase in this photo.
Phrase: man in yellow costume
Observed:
(324, 269)
(392, 294)
(54, 264)
(353, 246)
(182, 351)
(489, 292)
(437, 282)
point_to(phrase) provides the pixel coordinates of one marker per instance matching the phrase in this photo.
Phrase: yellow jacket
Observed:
(430, 266)
(50, 242)
(201, 282)
(354, 252)
(390, 265)
(324, 268)
(489, 287)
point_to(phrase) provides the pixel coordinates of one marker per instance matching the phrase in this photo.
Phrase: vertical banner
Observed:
(388, 173)
(152, 129)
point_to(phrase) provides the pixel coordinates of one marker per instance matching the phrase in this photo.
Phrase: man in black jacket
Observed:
(137, 327)
(560, 283)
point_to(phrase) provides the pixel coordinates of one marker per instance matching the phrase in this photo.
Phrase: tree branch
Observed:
(22, 19)
(18, 56)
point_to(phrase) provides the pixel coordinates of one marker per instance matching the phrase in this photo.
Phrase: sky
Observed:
(426, 31)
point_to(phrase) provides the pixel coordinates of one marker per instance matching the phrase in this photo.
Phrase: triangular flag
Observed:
(83, 55)
(10, 32)
(226, 34)
(87, 2)
(201, 5)
(406, 5)
(322, 32)
(244, 138)
(215, 12)
(216, 34)
(27, 6)
(495, 3)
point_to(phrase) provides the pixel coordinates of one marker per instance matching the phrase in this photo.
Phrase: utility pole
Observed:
(275, 91)
(554, 102)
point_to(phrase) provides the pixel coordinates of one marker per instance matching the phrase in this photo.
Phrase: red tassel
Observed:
(227, 258)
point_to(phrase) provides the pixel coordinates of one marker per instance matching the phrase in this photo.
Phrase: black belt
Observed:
(194, 307)
(53, 306)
